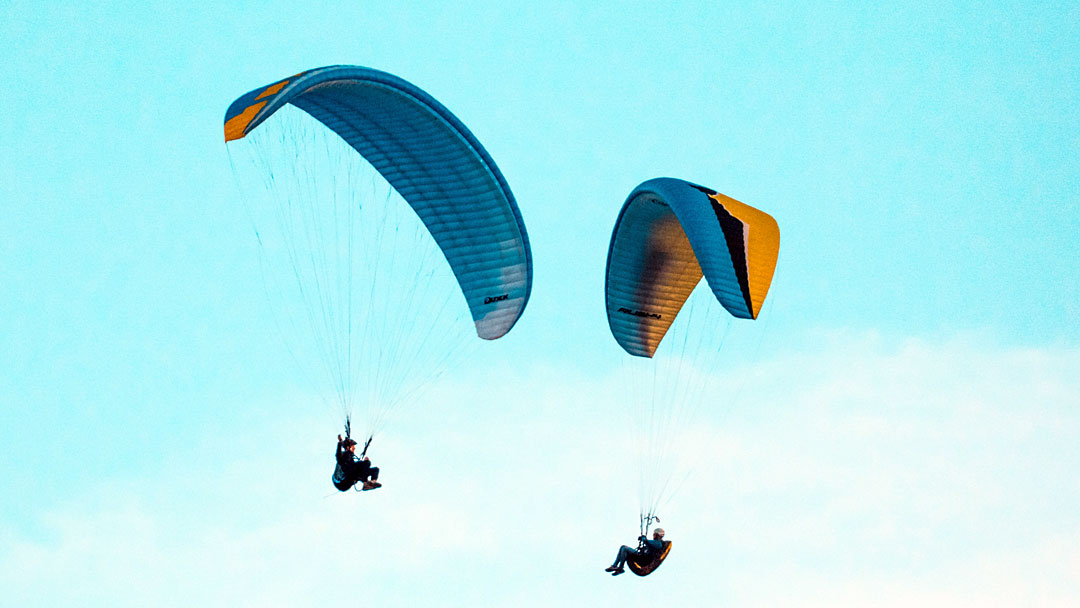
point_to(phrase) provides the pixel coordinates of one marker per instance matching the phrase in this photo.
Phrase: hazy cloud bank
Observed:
(867, 471)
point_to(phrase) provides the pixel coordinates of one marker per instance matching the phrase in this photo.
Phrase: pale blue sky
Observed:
(921, 163)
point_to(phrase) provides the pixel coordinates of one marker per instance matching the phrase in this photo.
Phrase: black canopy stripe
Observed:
(733, 229)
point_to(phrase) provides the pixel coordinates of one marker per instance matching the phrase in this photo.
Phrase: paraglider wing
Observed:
(433, 161)
(668, 235)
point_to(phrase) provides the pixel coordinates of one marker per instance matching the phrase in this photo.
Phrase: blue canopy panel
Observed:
(433, 161)
(668, 235)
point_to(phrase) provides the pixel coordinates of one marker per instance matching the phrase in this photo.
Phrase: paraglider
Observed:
(351, 469)
(648, 555)
(669, 234)
(370, 289)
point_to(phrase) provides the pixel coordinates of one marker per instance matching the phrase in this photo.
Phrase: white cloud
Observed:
(863, 472)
